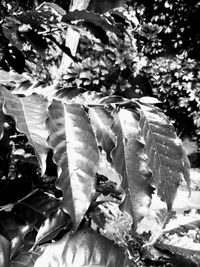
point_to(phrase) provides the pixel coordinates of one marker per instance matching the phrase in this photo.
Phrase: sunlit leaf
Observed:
(130, 162)
(29, 114)
(167, 158)
(76, 154)
(8, 77)
(84, 248)
(101, 120)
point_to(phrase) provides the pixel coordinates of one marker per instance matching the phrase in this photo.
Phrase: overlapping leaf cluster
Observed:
(132, 137)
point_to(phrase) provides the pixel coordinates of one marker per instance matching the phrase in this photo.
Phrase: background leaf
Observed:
(89, 249)
(29, 114)
(76, 154)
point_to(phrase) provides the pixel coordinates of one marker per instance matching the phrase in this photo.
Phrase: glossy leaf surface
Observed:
(76, 154)
(29, 114)
(167, 158)
(52, 226)
(101, 120)
(84, 248)
(130, 162)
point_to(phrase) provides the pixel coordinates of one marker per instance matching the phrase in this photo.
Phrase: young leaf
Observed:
(131, 163)
(167, 158)
(76, 154)
(84, 248)
(101, 120)
(29, 114)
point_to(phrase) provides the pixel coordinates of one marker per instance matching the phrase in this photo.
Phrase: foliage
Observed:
(175, 82)
(65, 216)
(173, 58)
(178, 21)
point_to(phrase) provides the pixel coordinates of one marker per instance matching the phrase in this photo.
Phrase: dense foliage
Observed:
(83, 153)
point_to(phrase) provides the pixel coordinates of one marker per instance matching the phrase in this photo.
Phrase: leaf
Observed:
(80, 96)
(91, 17)
(24, 217)
(4, 252)
(64, 48)
(2, 119)
(76, 154)
(10, 30)
(29, 114)
(181, 256)
(149, 100)
(167, 158)
(83, 248)
(97, 31)
(101, 120)
(52, 7)
(7, 77)
(13, 59)
(14, 228)
(52, 226)
(36, 41)
(130, 162)
(37, 18)
(37, 207)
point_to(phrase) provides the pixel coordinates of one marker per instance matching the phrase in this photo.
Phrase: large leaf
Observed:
(130, 162)
(4, 252)
(83, 248)
(76, 154)
(102, 120)
(52, 226)
(92, 18)
(167, 159)
(30, 115)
